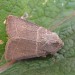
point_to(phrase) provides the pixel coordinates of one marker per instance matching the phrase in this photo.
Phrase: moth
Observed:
(27, 40)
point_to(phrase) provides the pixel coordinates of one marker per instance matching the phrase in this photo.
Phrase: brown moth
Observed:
(28, 40)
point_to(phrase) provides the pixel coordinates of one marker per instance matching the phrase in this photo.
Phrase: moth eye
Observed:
(55, 44)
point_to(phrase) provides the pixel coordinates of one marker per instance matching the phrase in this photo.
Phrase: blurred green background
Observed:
(45, 13)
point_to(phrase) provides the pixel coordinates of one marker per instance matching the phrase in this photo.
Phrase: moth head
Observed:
(53, 43)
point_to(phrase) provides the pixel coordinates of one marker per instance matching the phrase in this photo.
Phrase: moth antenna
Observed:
(61, 22)
(25, 16)
(6, 66)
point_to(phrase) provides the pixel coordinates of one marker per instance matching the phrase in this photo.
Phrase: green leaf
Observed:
(47, 13)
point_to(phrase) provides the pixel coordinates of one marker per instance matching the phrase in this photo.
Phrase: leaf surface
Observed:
(46, 13)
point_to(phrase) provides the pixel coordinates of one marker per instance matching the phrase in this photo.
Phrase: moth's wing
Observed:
(22, 42)
(15, 26)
